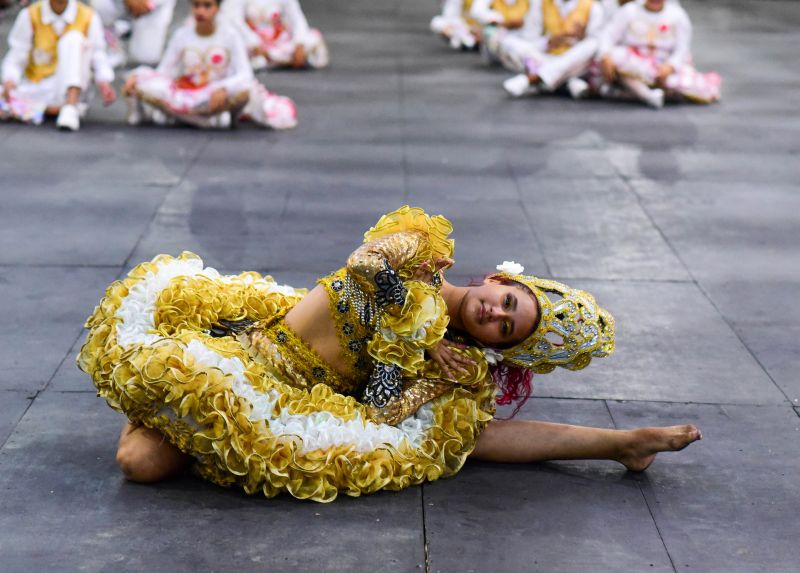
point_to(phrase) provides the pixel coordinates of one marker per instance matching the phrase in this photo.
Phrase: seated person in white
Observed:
(557, 44)
(646, 49)
(456, 25)
(148, 22)
(54, 46)
(495, 20)
(205, 80)
(277, 34)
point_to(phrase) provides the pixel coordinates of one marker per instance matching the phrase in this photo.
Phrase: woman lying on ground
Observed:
(383, 376)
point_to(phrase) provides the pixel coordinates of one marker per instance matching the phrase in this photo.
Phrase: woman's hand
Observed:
(448, 359)
(426, 271)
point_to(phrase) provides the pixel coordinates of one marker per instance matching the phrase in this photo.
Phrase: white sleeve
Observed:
(240, 74)
(233, 11)
(614, 31)
(103, 72)
(594, 27)
(170, 61)
(451, 9)
(683, 40)
(482, 11)
(297, 21)
(20, 44)
(533, 26)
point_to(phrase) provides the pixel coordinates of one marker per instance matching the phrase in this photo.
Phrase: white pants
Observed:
(73, 71)
(520, 55)
(148, 33)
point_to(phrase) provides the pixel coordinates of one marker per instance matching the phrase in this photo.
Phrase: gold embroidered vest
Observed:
(556, 25)
(43, 59)
(512, 12)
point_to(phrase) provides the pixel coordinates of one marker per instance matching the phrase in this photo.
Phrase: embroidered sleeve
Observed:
(411, 395)
(391, 398)
(376, 266)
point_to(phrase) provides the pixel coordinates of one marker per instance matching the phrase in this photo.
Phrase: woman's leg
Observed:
(525, 441)
(145, 456)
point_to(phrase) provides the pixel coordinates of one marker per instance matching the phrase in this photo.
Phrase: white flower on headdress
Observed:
(511, 268)
(492, 356)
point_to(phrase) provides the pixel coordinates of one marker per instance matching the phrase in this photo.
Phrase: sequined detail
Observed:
(572, 328)
(414, 394)
(275, 345)
(390, 289)
(357, 317)
(385, 382)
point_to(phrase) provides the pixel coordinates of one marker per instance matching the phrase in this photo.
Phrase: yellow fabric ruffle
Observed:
(163, 384)
(403, 338)
(436, 230)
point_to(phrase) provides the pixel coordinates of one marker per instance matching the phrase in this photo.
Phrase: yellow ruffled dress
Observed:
(263, 410)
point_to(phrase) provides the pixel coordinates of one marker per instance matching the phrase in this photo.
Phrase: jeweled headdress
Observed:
(572, 327)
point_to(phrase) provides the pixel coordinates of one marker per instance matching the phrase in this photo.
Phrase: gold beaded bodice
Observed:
(385, 320)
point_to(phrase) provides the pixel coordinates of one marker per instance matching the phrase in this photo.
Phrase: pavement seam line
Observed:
(646, 502)
(28, 407)
(528, 220)
(425, 530)
(639, 199)
(170, 189)
(61, 362)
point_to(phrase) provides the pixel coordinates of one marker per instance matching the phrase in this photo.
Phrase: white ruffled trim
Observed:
(320, 430)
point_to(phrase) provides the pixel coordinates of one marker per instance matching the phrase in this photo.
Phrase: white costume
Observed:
(528, 50)
(498, 19)
(276, 28)
(455, 24)
(78, 54)
(192, 69)
(148, 32)
(638, 41)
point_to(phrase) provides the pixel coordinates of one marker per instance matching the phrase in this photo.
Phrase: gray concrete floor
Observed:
(684, 222)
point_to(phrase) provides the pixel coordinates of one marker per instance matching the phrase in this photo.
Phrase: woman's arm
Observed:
(376, 265)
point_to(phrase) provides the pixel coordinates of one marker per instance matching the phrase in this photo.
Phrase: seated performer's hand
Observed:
(299, 57)
(130, 85)
(664, 71)
(139, 8)
(8, 87)
(107, 92)
(558, 41)
(217, 101)
(577, 33)
(608, 69)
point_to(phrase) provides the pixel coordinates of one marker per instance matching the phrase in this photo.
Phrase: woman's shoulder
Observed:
(436, 228)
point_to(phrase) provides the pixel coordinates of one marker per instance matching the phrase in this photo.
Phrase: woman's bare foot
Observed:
(645, 443)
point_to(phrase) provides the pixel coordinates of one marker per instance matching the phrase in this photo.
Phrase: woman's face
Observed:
(497, 314)
(654, 5)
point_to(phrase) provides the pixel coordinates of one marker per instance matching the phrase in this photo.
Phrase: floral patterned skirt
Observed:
(686, 80)
(247, 422)
(255, 103)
